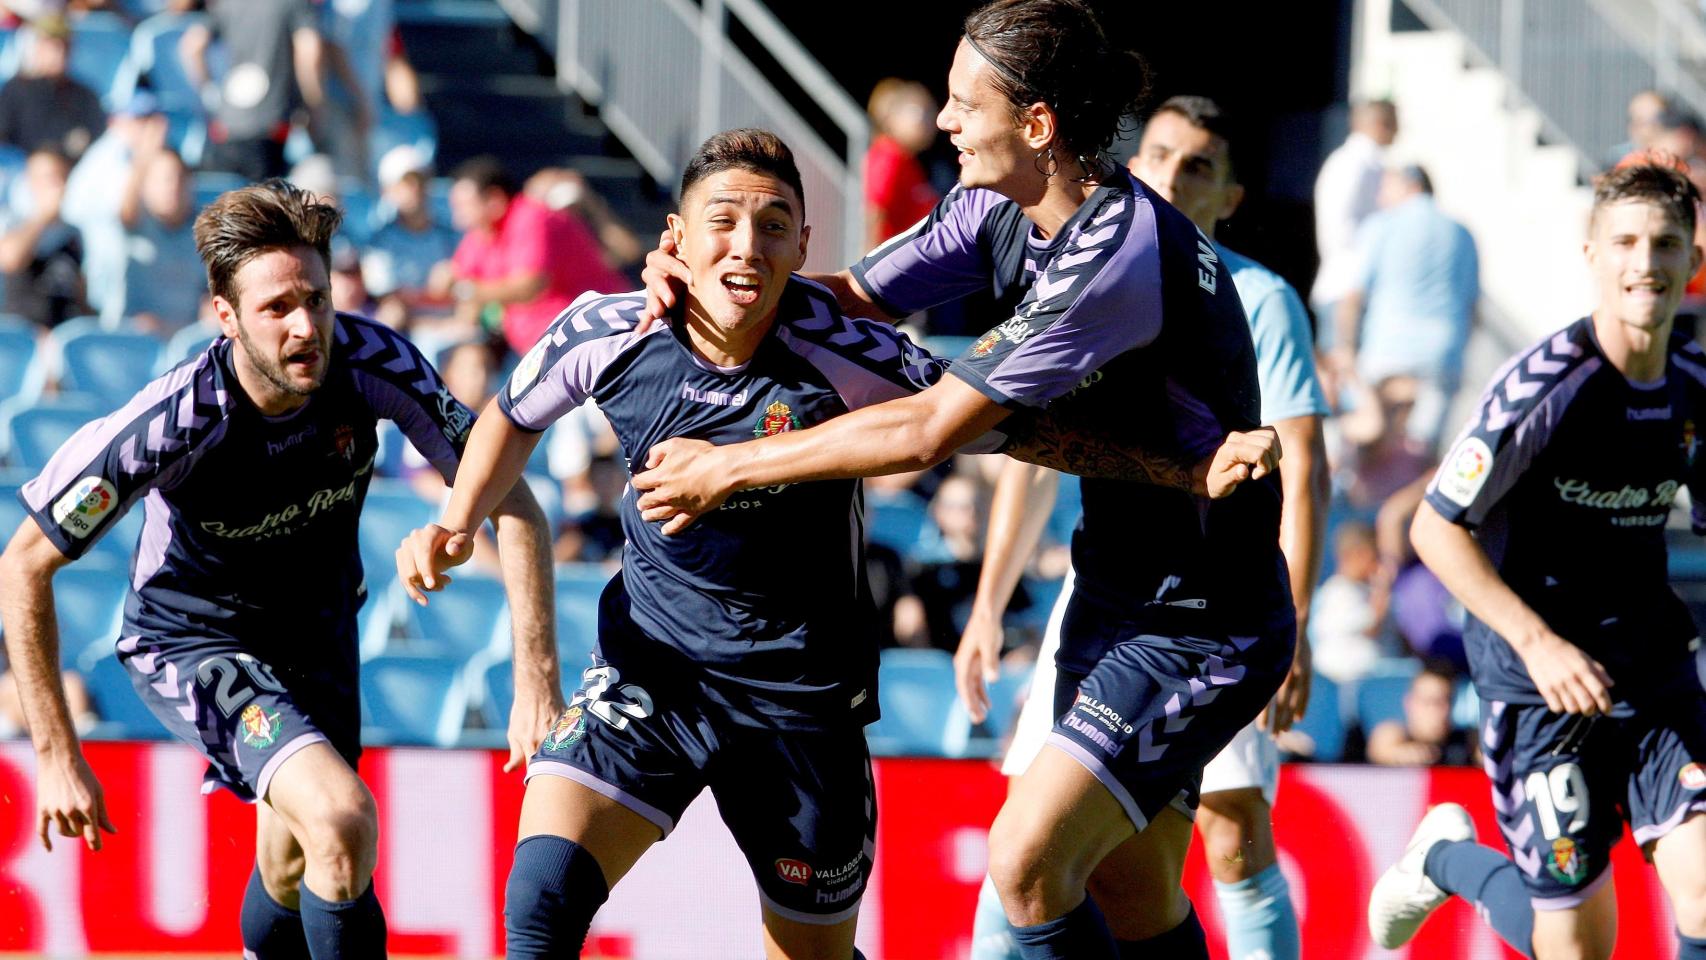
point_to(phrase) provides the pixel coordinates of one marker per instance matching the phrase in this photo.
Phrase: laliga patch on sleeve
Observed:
(1465, 471)
(80, 510)
(528, 369)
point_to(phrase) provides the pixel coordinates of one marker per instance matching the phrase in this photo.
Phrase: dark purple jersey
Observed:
(766, 596)
(1127, 321)
(249, 521)
(1566, 474)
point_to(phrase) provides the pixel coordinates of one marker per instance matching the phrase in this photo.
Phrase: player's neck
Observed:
(1052, 202)
(718, 345)
(1637, 352)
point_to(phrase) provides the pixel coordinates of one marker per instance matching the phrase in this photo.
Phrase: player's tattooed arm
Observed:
(1070, 447)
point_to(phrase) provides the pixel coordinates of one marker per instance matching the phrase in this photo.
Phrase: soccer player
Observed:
(1118, 307)
(251, 461)
(1185, 155)
(1547, 520)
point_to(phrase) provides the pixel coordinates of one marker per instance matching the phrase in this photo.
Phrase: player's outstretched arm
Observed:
(491, 463)
(1063, 445)
(524, 552)
(1024, 495)
(1569, 680)
(68, 797)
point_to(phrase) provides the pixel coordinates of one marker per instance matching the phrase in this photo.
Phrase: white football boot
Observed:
(1404, 896)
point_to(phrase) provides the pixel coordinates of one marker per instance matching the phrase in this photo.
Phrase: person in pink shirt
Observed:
(517, 254)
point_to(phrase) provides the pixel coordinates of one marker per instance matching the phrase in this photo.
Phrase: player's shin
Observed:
(1491, 882)
(1258, 916)
(343, 929)
(555, 887)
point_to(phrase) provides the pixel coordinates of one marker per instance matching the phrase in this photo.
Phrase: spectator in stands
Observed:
(517, 255)
(1346, 193)
(349, 291)
(356, 38)
(897, 191)
(92, 205)
(1403, 322)
(934, 608)
(1646, 108)
(1343, 620)
(399, 259)
(567, 191)
(1426, 736)
(44, 106)
(277, 61)
(580, 458)
(40, 254)
(164, 281)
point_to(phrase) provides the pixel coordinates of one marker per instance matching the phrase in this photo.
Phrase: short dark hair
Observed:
(245, 223)
(1204, 114)
(747, 148)
(1417, 175)
(486, 172)
(1652, 183)
(1055, 52)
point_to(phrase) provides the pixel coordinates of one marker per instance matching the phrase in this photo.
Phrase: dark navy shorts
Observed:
(1154, 709)
(800, 804)
(245, 711)
(1564, 784)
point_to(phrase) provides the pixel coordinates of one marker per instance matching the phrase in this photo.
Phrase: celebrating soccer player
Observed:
(1115, 306)
(1547, 520)
(252, 461)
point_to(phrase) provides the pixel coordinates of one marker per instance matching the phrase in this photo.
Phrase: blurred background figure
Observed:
(399, 259)
(897, 191)
(44, 106)
(40, 254)
(277, 58)
(1426, 736)
(1344, 622)
(1346, 191)
(92, 205)
(1646, 109)
(164, 282)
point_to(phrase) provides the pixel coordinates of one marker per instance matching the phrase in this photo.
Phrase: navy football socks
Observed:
(1690, 948)
(554, 889)
(1490, 881)
(271, 931)
(340, 929)
(1184, 942)
(1080, 935)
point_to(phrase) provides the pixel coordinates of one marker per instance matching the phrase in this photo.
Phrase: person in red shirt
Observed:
(897, 192)
(518, 254)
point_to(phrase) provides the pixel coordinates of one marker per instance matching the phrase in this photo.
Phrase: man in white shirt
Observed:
(1346, 192)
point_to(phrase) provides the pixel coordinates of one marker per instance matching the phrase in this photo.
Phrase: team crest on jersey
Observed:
(1690, 442)
(1566, 862)
(260, 728)
(1465, 471)
(794, 871)
(570, 728)
(986, 344)
(80, 510)
(778, 418)
(343, 441)
(1692, 776)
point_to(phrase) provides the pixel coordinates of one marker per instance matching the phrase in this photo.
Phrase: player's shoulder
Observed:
(361, 342)
(1687, 356)
(1552, 371)
(809, 311)
(594, 316)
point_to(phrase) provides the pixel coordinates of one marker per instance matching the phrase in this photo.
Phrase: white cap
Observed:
(399, 160)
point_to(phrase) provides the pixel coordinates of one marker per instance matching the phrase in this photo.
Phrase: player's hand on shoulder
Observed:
(665, 277)
(69, 800)
(683, 480)
(1568, 679)
(1242, 456)
(425, 554)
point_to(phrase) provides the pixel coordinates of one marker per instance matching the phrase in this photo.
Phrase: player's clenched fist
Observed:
(424, 556)
(1241, 457)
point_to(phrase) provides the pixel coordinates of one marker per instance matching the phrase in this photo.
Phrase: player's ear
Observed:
(677, 231)
(226, 313)
(1229, 204)
(1039, 125)
(806, 235)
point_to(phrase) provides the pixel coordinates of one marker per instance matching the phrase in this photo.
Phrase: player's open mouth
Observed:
(742, 288)
(306, 358)
(1646, 289)
(966, 153)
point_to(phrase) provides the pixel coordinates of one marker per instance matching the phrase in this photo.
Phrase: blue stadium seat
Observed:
(207, 185)
(111, 367)
(467, 617)
(89, 604)
(186, 343)
(154, 58)
(901, 521)
(402, 129)
(412, 699)
(359, 206)
(122, 713)
(11, 511)
(390, 511)
(497, 687)
(34, 433)
(1381, 698)
(19, 373)
(1324, 723)
(578, 588)
(100, 42)
(916, 691)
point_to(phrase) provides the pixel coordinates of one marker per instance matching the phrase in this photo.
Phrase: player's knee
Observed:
(1690, 910)
(555, 886)
(343, 839)
(280, 874)
(1033, 886)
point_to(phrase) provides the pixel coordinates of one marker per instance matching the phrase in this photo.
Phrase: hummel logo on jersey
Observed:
(276, 447)
(716, 398)
(1648, 413)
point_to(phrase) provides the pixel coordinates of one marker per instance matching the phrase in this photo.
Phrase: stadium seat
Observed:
(497, 687)
(19, 374)
(360, 208)
(154, 58)
(89, 605)
(186, 343)
(1380, 698)
(901, 522)
(402, 129)
(11, 511)
(578, 588)
(207, 185)
(111, 367)
(412, 699)
(123, 715)
(389, 513)
(33, 433)
(1006, 694)
(916, 691)
(100, 43)
(1324, 723)
(469, 616)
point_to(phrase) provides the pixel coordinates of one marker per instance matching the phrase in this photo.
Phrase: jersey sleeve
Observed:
(941, 258)
(1285, 358)
(1098, 298)
(563, 368)
(110, 462)
(1515, 418)
(401, 386)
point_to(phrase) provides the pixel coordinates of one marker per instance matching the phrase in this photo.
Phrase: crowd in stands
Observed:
(103, 167)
